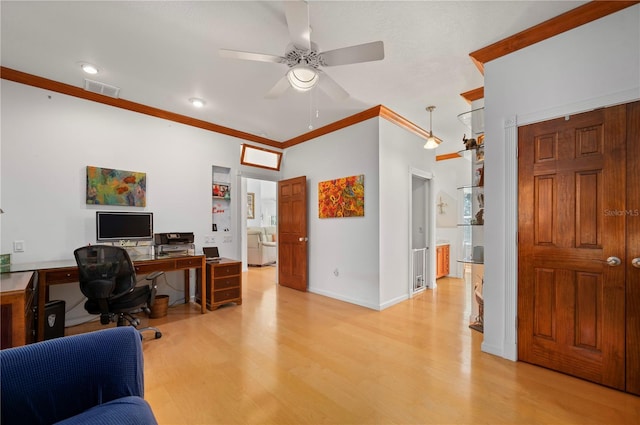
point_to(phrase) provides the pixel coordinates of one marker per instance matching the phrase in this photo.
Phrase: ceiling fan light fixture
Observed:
(302, 77)
(432, 141)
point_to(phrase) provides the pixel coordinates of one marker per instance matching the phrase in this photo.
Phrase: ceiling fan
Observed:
(304, 60)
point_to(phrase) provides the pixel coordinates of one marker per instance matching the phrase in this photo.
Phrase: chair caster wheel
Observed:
(158, 335)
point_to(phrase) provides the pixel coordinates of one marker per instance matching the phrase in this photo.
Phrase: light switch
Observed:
(18, 246)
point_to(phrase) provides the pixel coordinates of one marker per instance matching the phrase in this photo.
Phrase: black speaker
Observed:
(54, 319)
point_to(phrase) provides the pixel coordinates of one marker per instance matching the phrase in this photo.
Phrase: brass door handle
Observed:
(636, 262)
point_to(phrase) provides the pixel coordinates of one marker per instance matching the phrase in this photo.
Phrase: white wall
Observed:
(400, 152)
(595, 65)
(348, 245)
(370, 253)
(47, 141)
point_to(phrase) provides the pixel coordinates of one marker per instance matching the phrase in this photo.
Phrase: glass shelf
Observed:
(470, 261)
(474, 154)
(474, 120)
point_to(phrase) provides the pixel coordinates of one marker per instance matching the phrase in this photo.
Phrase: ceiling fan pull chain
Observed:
(311, 110)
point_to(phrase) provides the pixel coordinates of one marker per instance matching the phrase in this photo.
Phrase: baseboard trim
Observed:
(394, 301)
(343, 298)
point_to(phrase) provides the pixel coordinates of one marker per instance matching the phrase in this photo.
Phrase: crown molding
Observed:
(547, 29)
(46, 84)
(377, 111)
(443, 157)
(475, 94)
(334, 126)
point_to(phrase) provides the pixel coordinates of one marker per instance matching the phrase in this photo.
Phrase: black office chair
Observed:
(108, 280)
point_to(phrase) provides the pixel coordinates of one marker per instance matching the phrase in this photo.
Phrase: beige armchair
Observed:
(261, 246)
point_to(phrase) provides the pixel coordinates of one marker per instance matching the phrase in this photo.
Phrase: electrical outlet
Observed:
(18, 246)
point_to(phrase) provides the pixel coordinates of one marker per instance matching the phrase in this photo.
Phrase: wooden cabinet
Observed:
(442, 261)
(17, 309)
(223, 283)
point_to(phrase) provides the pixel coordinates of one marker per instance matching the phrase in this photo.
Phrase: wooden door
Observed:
(292, 233)
(632, 214)
(572, 190)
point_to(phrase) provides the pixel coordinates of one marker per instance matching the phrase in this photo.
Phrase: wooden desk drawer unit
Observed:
(223, 283)
(16, 309)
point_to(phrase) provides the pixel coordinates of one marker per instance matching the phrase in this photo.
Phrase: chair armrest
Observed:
(52, 380)
(154, 275)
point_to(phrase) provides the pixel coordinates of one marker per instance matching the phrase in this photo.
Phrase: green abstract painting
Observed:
(106, 186)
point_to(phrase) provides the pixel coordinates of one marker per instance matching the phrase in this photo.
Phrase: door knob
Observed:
(303, 239)
(636, 262)
(613, 261)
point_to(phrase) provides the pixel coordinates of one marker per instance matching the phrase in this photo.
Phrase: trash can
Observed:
(160, 306)
(54, 319)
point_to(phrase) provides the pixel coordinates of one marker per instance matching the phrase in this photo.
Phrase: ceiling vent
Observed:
(101, 88)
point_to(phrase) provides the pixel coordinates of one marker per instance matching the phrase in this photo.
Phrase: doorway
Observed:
(578, 225)
(259, 222)
(421, 224)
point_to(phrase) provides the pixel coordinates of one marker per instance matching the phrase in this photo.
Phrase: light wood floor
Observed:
(288, 357)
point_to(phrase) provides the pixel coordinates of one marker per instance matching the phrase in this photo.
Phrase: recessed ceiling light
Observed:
(198, 103)
(89, 69)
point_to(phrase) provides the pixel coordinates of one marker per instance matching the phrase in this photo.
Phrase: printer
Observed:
(173, 238)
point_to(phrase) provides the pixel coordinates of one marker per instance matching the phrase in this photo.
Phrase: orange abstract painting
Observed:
(342, 197)
(107, 186)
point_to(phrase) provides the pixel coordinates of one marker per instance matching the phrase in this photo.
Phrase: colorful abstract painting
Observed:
(342, 197)
(106, 186)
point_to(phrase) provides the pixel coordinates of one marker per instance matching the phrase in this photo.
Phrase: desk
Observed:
(66, 271)
(16, 306)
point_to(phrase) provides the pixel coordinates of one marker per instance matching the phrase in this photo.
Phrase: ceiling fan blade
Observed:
(262, 57)
(367, 52)
(281, 86)
(297, 13)
(331, 88)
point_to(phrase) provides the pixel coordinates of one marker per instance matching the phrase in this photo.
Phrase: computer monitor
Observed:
(114, 226)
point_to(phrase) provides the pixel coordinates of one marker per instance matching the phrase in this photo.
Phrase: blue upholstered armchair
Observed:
(92, 378)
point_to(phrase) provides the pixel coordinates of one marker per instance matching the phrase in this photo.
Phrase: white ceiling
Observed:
(162, 53)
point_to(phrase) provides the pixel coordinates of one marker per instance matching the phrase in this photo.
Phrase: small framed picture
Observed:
(221, 191)
(251, 202)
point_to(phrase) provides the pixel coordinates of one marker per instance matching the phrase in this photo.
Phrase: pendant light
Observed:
(432, 141)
